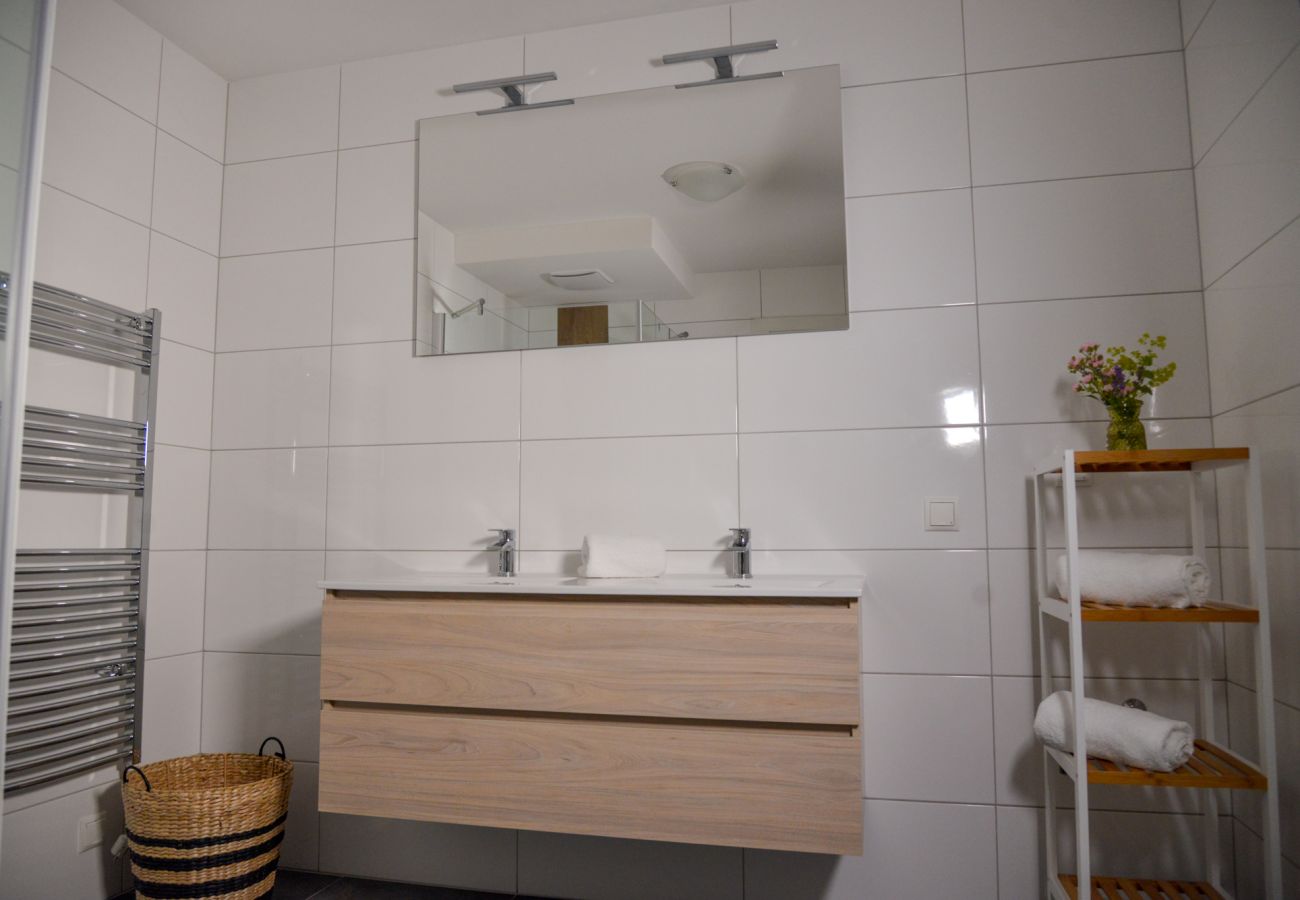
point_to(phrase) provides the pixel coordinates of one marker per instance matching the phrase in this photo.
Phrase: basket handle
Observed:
(139, 771)
(281, 752)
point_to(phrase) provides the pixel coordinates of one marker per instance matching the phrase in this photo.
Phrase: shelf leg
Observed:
(1208, 800)
(1083, 844)
(1044, 685)
(1263, 676)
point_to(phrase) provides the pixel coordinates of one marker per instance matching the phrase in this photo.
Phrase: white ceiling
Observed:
(602, 159)
(243, 38)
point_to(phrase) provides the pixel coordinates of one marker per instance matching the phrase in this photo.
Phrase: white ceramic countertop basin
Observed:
(664, 586)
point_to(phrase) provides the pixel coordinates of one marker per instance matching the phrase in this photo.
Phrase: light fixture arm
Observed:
(512, 89)
(478, 304)
(721, 57)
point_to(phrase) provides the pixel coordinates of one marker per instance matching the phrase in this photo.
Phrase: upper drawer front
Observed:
(766, 662)
(741, 786)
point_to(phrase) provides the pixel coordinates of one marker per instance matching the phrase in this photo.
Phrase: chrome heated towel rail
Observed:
(77, 653)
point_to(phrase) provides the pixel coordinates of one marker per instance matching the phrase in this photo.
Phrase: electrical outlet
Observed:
(90, 832)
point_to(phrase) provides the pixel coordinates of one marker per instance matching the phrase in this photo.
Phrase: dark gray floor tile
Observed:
(361, 889)
(294, 885)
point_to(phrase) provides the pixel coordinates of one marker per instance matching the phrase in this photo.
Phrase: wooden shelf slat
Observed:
(1211, 611)
(1106, 887)
(1180, 460)
(1210, 767)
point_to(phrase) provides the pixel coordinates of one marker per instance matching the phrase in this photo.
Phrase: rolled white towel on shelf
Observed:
(1121, 734)
(620, 556)
(1136, 579)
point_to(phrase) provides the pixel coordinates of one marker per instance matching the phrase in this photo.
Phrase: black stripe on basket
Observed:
(195, 863)
(160, 890)
(195, 843)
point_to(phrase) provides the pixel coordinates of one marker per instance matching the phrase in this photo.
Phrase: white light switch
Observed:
(941, 514)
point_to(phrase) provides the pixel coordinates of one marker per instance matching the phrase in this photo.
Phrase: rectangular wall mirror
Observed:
(652, 215)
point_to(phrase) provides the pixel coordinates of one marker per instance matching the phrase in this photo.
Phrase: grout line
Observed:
(157, 105)
(1002, 184)
(1260, 399)
(1267, 81)
(807, 431)
(1187, 42)
(1253, 251)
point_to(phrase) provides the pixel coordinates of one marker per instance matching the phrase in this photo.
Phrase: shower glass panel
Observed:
(25, 43)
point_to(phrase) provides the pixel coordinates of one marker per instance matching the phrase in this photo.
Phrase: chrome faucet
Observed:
(741, 566)
(505, 548)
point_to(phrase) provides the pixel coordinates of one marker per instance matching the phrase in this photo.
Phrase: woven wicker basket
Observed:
(208, 825)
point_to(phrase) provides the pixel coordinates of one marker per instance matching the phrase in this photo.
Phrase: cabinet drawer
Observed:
(784, 788)
(783, 661)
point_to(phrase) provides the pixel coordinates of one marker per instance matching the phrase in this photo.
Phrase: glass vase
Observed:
(1126, 431)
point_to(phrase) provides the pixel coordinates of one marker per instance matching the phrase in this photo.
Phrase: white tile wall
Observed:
(1022, 346)
(172, 703)
(1090, 118)
(1234, 51)
(1127, 234)
(430, 852)
(175, 603)
(184, 396)
(381, 99)
(183, 284)
(263, 601)
(1243, 76)
(681, 388)
(618, 56)
(248, 696)
(275, 300)
(910, 250)
(1003, 34)
(397, 497)
(103, 46)
(245, 415)
(860, 489)
(376, 194)
(81, 247)
(267, 500)
(114, 170)
(905, 136)
(381, 394)
(871, 40)
(912, 851)
(1248, 184)
(848, 372)
(187, 195)
(278, 204)
(283, 115)
(192, 102)
(570, 865)
(679, 490)
(374, 292)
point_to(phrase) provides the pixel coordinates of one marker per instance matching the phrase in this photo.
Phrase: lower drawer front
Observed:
(775, 788)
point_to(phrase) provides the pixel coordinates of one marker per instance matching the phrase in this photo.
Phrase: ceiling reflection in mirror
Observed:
(650, 215)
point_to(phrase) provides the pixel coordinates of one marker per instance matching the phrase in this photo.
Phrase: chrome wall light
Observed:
(512, 88)
(721, 57)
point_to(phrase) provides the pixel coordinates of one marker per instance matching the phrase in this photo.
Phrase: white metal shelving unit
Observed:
(1213, 766)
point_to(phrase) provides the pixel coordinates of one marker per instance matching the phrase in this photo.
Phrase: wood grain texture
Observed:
(582, 325)
(1210, 611)
(769, 662)
(777, 788)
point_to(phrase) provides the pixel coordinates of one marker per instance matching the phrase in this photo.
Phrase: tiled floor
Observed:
(291, 885)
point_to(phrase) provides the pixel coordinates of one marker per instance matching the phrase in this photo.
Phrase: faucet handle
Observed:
(503, 534)
(741, 537)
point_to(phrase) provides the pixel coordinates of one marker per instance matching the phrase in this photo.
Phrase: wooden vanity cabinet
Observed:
(695, 719)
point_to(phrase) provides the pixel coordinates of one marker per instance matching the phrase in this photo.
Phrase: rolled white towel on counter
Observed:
(1121, 734)
(1136, 579)
(620, 556)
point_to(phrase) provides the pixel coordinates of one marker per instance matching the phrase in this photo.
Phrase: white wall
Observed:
(1243, 75)
(130, 214)
(1019, 180)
